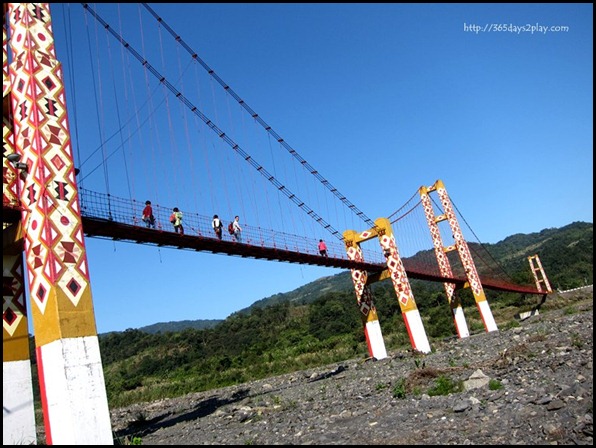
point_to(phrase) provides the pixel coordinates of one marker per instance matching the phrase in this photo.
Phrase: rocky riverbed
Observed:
(526, 385)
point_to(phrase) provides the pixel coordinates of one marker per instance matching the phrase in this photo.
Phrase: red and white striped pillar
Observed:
(444, 267)
(18, 417)
(72, 385)
(364, 297)
(466, 259)
(402, 287)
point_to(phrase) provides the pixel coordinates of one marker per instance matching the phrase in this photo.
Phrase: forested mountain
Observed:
(566, 253)
(319, 324)
(164, 327)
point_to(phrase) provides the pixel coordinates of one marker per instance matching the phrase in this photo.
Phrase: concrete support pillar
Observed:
(466, 259)
(364, 297)
(444, 267)
(72, 385)
(402, 287)
(18, 416)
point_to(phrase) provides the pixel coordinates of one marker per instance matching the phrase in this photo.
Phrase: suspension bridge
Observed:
(219, 158)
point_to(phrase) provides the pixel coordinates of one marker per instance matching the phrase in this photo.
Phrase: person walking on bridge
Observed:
(217, 226)
(148, 217)
(176, 220)
(323, 248)
(237, 229)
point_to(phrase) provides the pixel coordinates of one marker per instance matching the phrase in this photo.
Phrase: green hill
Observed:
(164, 327)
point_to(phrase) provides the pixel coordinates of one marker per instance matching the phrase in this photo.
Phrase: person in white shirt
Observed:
(217, 226)
(237, 230)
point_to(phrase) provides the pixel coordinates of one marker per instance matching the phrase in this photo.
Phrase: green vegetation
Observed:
(445, 386)
(577, 341)
(494, 384)
(128, 440)
(399, 390)
(320, 324)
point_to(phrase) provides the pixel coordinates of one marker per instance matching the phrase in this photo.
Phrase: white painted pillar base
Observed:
(487, 316)
(73, 369)
(460, 322)
(375, 340)
(18, 414)
(416, 331)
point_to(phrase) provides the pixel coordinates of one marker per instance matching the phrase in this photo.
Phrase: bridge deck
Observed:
(104, 228)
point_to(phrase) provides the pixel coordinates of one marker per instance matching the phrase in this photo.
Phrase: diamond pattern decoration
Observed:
(9, 172)
(69, 254)
(9, 317)
(54, 242)
(41, 293)
(397, 270)
(443, 261)
(13, 297)
(73, 286)
(462, 247)
(359, 278)
(49, 82)
(37, 260)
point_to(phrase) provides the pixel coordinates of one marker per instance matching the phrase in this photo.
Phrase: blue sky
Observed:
(380, 98)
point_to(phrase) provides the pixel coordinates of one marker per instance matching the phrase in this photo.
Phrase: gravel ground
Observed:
(527, 385)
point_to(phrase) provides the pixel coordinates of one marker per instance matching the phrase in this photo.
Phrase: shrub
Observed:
(399, 390)
(445, 386)
(495, 384)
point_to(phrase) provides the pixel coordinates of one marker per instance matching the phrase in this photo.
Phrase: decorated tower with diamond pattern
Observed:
(397, 272)
(473, 279)
(72, 386)
(364, 297)
(17, 389)
(441, 252)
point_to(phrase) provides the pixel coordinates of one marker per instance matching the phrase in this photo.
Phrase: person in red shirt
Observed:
(148, 217)
(322, 248)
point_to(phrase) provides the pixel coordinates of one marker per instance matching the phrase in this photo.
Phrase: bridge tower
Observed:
(539, 274)
(72, 386)
(396, 271)
(364, 297)
(17, 391)
(473, 280)
(444, 267)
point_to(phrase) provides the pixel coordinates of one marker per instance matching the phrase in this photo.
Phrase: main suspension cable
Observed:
(247, 157)
(268, 128)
